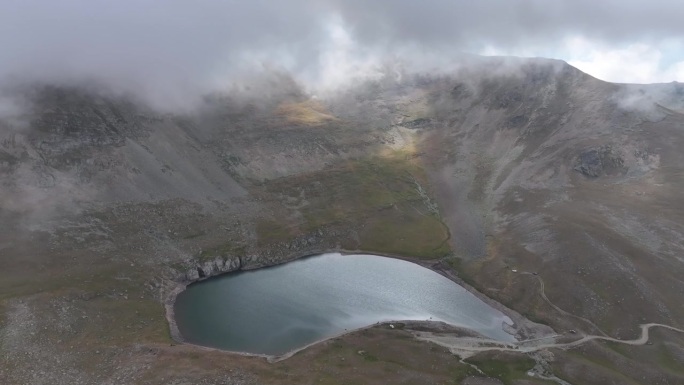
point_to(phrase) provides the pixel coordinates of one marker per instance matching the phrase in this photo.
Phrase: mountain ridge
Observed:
(532, 166)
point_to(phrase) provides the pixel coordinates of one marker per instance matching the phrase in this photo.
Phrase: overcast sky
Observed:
(173, 48)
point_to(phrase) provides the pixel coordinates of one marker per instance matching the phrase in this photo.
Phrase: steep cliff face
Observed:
(505, 164)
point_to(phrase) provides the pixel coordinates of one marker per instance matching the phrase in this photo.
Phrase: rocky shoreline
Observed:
(521, 328)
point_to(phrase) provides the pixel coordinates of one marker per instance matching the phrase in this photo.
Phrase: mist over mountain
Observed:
(171, 54)
(145, 146)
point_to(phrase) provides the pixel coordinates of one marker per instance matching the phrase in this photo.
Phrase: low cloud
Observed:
(172, 52)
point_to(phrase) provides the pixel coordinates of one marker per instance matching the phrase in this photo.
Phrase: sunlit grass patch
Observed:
(307, 113)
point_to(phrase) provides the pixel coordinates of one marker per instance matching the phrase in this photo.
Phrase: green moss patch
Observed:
(405, 232)
(384, 199)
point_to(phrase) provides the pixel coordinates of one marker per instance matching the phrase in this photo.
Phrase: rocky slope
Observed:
(505, 164)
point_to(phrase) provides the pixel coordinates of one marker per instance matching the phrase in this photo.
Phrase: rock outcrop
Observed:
(600, 161)
(210, 268)
(315, 242)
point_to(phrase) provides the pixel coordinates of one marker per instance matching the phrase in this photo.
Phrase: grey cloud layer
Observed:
(515, 22)
(174, 48)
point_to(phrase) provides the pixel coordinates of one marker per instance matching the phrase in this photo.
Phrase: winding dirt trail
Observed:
(545, 298)
(469, 346)
(474, 345)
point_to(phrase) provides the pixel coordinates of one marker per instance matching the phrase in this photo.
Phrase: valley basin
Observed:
(276, 310)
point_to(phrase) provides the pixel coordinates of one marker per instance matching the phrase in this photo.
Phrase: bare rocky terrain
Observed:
(500, 171)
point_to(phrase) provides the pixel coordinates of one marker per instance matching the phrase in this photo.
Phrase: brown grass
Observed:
(306, 113)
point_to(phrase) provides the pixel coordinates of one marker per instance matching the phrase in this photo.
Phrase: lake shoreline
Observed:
(521, 328)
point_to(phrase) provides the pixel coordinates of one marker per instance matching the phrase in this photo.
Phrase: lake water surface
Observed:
(279, 309)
